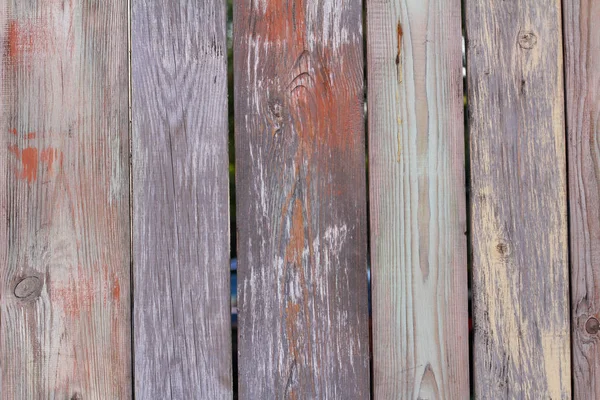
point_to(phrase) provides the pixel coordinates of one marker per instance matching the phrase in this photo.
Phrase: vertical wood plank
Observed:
(64, 201)
(180, 200)
(418, 214)
(582, 72)
(303, 328)
(518, 183)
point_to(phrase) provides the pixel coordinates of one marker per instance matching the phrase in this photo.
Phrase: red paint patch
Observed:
(25, 37)
(48, 156)
(28, 136)
(116, 290)
(31, 160)
(88, 288)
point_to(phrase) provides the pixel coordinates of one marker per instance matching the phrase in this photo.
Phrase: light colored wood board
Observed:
(518, 199)
(64, 200)
(582, 72)
(182, 325)
(301, 208)
(417, 199)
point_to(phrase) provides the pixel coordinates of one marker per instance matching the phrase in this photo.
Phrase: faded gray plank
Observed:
(180, 200)
(303, 329)
(582, 71)
(418, 222)
(64, 201)
(518, 183)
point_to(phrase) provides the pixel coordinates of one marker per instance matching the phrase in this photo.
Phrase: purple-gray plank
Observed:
(182, 333)
(518, 200)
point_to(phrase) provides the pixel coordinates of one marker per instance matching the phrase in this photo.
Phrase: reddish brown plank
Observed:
(582, 72)
(64, 201)
(301, 200)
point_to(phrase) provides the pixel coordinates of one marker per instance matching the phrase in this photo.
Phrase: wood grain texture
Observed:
(518, 196)
(582, 72)
(303, 328)
(418, 218)
(64, 201)
(180, 200)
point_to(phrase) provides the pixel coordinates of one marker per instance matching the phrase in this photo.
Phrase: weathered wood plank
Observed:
(303, 329)
(180, 200)
(518, 183)
(582, 72)
(64, 201)
(418, 218)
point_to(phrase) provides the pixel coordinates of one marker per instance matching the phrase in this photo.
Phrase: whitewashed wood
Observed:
(582, 71)
(417, 198)
(64, 201)
(518, 200)
(182, 335)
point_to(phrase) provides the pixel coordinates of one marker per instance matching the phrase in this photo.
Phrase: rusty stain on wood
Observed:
(399, 53)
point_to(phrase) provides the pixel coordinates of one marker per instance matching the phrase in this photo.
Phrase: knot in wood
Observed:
(527, 40)
(28, 288)
(592, 326)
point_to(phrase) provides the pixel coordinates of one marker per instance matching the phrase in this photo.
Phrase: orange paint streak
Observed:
(31, 159)
(14, 149)
(116, 290)
(29, 162)
(47, 156)
(28, 136)
(76, 297)
(13, 40)
(25, 37)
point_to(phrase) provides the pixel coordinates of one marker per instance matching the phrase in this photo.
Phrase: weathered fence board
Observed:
(303, 330)
(582, 71)
(182, 335)
(64, 201)
(418, 222)
(518, 196)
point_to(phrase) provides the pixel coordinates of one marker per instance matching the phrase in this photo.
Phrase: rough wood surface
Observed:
(518, 196)
(180, 200)
(582, 71)
(64, 201)
(303, 328)
(418, 222)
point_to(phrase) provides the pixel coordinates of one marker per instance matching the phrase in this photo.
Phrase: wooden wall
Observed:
(353, 150)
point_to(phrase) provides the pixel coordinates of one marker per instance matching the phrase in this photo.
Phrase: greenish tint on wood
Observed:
(518, 199)
(417, 198)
